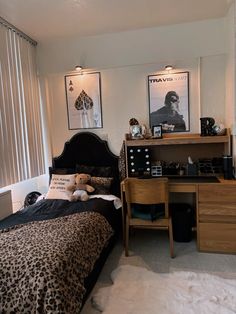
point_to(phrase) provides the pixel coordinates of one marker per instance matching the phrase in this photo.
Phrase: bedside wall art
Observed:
(83, 96)
(169, 101)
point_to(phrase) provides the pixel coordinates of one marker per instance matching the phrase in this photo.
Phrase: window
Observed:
(21, 142)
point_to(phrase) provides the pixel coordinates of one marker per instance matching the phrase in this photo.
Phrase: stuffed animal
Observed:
(81, 188)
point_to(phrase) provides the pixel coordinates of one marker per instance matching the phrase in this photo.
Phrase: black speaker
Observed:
(31, 198)
(228, 167)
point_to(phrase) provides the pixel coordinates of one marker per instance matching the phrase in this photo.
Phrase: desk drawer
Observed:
(217, 237)
(217, 193)
(217, 212)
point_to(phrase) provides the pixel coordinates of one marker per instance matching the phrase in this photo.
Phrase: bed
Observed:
(53, 251)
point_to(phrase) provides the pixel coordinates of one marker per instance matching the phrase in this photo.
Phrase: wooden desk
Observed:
(216, 217)
(179, 187)
(215, 213)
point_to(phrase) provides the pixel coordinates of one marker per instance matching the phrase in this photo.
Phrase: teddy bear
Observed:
(81, 188)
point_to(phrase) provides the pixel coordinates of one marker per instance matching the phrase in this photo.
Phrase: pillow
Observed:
(62, 170)
(58, 186)
(95, 171)
(101, 185)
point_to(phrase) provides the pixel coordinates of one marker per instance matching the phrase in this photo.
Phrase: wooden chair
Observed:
(147, 192)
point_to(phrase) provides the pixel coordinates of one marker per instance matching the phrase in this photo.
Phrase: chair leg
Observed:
(127, 238)
(171, 239)
(123, 231)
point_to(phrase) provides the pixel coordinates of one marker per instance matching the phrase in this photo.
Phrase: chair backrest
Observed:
(147, 192)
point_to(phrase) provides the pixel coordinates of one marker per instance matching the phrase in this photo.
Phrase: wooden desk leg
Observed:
(123, 214)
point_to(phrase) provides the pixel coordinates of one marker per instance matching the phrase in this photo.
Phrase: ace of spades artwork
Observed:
(83, 101)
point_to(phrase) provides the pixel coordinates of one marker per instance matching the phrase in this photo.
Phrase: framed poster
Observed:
(169, 101)
(83, 96)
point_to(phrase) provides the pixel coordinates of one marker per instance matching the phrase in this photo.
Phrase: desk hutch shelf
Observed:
(180, 139)
(178, 147)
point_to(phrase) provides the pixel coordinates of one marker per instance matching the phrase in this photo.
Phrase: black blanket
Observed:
(49, 209)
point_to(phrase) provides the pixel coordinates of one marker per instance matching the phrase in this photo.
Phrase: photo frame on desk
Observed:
(157, 131)
(169, 101)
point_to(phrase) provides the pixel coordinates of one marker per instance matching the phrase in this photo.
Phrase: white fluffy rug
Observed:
(136, 290)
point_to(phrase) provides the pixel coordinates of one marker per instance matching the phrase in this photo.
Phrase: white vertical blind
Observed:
(21, 143)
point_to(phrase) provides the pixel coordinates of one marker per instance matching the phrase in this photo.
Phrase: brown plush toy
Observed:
(81, 188)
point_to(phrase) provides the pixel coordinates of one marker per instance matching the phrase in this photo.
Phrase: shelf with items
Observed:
(179, 139)
(175, 148)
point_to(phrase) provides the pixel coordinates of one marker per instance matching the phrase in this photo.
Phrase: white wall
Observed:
(212, 79)
(150, 45)
(230, 104)
(124, 95)
(206, 49)
(125, 60)
(230, 66)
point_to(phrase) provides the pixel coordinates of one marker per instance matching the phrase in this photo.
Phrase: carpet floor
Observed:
(150, 249)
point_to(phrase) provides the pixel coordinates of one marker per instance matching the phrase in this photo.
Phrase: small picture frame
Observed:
(157, 131)
(136, 131)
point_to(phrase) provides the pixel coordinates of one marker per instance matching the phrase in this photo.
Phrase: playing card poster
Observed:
(83, 95)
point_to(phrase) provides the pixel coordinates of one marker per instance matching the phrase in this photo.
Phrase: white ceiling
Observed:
(46, 19)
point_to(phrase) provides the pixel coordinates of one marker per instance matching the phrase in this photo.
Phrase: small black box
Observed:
(191, 170)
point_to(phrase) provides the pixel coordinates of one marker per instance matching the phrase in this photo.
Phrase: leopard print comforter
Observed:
(43, 264)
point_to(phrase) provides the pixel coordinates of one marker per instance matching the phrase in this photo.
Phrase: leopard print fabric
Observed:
(121, 163)
(43, 264)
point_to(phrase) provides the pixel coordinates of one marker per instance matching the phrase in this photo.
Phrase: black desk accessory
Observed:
(228, 167)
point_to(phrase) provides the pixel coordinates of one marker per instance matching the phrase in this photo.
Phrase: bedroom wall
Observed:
(125, 60)
(230, 102)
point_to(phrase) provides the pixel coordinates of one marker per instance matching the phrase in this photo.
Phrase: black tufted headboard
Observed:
(86, 148)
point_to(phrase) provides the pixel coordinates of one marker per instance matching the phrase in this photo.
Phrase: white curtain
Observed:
(21, 143)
